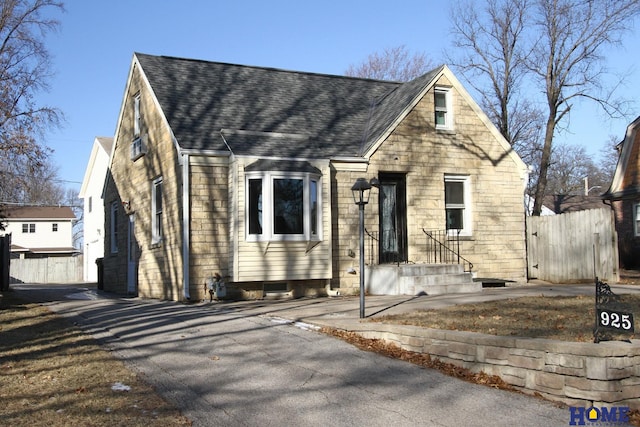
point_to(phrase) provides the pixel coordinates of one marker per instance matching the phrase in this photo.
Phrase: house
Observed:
(530, 201)
(91, 193)
(247, 172)
(624, 197)
(563, 203)
(40, 231)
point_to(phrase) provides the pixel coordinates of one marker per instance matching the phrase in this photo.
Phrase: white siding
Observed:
(282, 260)
(91, 192)
(44, 236)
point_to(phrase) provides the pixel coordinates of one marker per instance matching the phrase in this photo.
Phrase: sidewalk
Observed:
(344, 312)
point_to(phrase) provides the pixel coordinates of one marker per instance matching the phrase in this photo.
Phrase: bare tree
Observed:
(24, 71)
(489, 43)
(567, 59)
(394, 63)
(570, 166)
(76, 204)
(609, 154)
(553, 45)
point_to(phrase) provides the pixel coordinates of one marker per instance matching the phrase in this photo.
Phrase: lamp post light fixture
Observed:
(361, 191)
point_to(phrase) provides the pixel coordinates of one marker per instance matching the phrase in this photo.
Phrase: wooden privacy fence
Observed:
(572, 247)
(47, 270)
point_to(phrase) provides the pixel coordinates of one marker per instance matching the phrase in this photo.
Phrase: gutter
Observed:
(186, 243)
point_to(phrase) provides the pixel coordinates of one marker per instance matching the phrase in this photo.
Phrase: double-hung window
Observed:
(443, 109)
(283, 205)
(156, 207)
(28, 228)
(457, 200)
(636, 219)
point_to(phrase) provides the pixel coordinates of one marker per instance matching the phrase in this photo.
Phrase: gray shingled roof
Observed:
(271, 112)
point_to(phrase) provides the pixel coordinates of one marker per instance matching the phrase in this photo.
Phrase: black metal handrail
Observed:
(439, 250)
(373, 239)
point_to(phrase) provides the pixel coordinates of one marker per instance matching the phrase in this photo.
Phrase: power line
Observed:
(40, 177)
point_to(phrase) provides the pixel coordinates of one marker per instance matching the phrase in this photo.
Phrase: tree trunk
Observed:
(544, 166)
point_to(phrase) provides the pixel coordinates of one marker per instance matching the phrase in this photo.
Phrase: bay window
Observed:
(283, 205)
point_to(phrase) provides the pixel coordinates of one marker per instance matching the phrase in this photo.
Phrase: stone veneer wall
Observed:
(425, 155)
(578, 374)
(159, 273)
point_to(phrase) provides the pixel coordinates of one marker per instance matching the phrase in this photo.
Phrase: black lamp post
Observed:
(361, 191)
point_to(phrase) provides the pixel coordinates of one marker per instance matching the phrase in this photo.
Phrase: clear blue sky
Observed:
(93, 50)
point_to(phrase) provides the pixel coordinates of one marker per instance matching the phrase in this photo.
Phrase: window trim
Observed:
(467, 213)
(448, 109)
(636, 219)
(138, 142)
(156, 213)
(268, 225)
(113, 228)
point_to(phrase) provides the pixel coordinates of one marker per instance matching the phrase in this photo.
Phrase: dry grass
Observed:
(54, 375)
(558, 318)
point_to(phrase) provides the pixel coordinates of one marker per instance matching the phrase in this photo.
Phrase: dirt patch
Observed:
(52, 374)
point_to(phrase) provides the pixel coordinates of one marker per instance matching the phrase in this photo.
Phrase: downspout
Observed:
(185, 226)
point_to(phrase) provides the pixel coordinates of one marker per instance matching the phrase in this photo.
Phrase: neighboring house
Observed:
(247, 172)
(40, 231)
(91, 193)
(563, 203)
(624, 197)
(530, 201)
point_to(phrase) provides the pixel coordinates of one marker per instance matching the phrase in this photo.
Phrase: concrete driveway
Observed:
(244, 364)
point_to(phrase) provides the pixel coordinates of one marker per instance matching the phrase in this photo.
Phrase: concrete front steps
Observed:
(417, 279)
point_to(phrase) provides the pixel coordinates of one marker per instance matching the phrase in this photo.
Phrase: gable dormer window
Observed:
(443, 108)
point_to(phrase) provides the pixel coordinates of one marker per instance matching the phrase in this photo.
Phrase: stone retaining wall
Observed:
(577, 374)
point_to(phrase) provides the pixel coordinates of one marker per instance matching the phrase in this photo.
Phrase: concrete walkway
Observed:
(344, 312)
(259, 363)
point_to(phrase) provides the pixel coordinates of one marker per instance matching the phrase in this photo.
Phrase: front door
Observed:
(393, 218)
(132, 258)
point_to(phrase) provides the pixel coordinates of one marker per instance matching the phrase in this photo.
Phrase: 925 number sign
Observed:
(615, 320)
